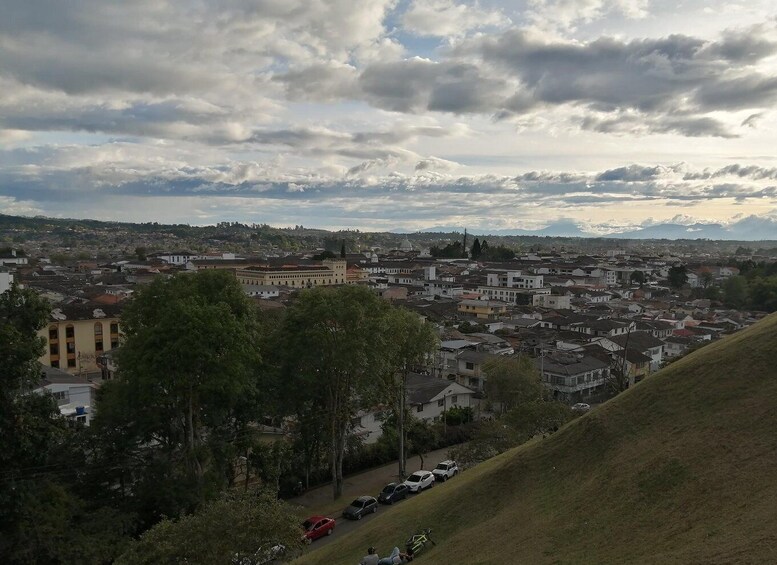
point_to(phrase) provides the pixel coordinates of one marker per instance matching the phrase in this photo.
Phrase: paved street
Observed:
(319, 500)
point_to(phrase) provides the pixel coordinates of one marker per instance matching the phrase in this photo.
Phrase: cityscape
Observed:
(384, 281)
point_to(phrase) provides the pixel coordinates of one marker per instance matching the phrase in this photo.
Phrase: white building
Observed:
(427, 398)
(514, 279)
(552, 301)
(261, 290)
(6, 280)
(74, 394)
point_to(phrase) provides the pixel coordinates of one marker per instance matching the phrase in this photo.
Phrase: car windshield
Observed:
(307, 525)
(388, 489)
(357, 503)
(442, 467)
(414, 478)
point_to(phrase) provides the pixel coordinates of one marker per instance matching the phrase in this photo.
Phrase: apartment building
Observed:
(76, 334)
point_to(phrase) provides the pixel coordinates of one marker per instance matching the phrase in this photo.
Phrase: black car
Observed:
(361, 506)
(392, 493)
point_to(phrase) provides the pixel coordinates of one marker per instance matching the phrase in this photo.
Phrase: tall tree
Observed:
(411, 341)
(475, 252)
(735, 291)
(511, 381)
(334, 347)
(678, 276)
(187, 387)
(637, 277)
(342, 250)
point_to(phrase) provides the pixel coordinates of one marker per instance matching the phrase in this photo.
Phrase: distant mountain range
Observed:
(752, 228)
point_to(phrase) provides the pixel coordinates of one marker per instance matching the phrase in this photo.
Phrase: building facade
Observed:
(329, 272)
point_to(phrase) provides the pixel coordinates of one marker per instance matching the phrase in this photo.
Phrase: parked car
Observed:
(445, 470)
(419, 481)
(581, 407)
(361, 506)
(317, 527)
(393, 492)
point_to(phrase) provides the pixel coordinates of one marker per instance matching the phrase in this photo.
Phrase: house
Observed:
(555, 301)
(471, 368)
(427, 397)
(483, 309)
(75, 395)
(573, 377)
(10, 256)
(514, 279)
(640, 341)
(261, 290)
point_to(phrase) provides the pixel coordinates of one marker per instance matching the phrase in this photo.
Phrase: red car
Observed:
(318, 526)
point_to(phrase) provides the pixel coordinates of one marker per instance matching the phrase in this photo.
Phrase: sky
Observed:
(390, 114)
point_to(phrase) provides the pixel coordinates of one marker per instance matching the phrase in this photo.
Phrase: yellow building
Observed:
(483, 309)
(329, 272)
(77, 334)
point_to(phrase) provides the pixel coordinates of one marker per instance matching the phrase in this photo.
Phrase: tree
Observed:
(475, 251)
(187, 387)
(334, 347)
(511, 381)
(140, 253)
(706, 279)
(41, 520)
(239, 527)
(411, 340)
(637, 277)
(678, 276)
(342, 250)
(735, 291)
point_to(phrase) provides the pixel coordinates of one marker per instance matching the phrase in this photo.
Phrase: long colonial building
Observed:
(329, 272)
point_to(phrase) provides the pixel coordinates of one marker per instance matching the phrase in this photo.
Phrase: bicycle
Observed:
(417, 542)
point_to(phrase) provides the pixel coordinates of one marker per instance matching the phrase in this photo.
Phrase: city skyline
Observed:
(388, 114)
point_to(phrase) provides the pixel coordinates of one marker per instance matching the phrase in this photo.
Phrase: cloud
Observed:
(447, 18)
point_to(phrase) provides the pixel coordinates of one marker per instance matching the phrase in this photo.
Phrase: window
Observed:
(441, 402)
(70, 331)
(71, 363)
(55, 364)
(419, 408)
(71, 347)
(114, 327)
(53, 333)
(60, 395)
(53, 349)
(114, 343)
(98, 328)
(470, 366)
(454, 399)
(98, 345)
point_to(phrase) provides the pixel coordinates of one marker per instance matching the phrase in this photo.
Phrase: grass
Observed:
(682, 468)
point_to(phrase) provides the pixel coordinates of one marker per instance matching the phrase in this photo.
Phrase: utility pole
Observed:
(401, 426)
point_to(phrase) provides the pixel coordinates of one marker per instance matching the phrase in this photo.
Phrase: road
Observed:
(319, 500)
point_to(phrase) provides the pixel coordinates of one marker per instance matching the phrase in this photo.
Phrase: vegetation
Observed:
(245, 528)
(340, 350)
(674, 470)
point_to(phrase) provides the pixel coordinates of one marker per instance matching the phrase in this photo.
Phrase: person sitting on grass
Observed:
(371, 558)
(396, 558)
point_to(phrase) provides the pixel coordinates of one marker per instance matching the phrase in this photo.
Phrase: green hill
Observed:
(681, 468)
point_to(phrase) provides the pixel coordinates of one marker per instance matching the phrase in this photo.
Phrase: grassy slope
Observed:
(681, 468)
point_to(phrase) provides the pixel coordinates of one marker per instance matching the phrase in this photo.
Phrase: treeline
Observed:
(755, 288)
(179, 432)
(480, 251)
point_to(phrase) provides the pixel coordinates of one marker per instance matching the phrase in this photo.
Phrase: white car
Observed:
(419, 481)
(445, 470)
(581, 407)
